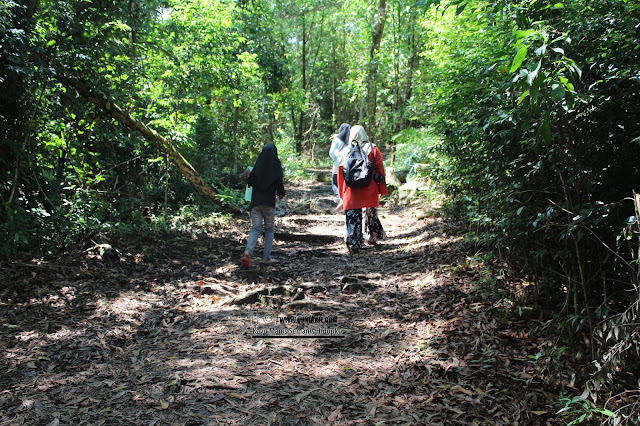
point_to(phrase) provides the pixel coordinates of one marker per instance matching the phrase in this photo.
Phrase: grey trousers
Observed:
(258, 215)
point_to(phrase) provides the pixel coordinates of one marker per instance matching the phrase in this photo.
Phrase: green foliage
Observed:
(293, 165)
(230, 198)
(191, 218)
(537, 103)
(578, 410)
(417, 145)
(417, 160)
(525, 114)
(186, 68)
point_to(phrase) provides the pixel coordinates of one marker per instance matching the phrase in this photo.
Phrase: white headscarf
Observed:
(358, 135)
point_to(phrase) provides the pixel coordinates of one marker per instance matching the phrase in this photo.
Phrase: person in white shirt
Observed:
(339, 143)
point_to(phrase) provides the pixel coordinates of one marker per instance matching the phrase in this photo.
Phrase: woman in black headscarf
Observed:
(266, 179)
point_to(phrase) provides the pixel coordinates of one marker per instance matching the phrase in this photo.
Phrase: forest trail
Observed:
(146, 336)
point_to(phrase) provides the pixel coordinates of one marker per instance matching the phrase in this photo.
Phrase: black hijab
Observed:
(343, 133)
(268, 169)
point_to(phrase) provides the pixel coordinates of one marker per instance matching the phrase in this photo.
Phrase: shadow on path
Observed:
(147, 339)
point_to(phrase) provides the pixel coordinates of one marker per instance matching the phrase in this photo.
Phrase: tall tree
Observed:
(372, 74)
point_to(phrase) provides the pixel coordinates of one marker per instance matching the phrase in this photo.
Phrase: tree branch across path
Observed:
(126, 119)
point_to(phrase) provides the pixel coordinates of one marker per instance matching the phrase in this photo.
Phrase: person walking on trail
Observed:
(367, 197)
(338, 144)
(266, 180)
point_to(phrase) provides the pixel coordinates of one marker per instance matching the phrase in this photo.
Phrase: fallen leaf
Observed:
(27, 404)
(332, 418)
(236, 395)
(400, 400)
(217, 397)
(460, 389)
(479, 391)
(77, 400)
(303, 395)
(164, 404)
(453, 363)
(274, 403)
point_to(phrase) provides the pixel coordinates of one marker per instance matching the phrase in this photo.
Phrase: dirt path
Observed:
(145, 337)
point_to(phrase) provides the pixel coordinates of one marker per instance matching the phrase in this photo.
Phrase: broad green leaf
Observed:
(533, 74)
(522, 34)
(545, 130)
(574, 67)
(557, 91)
(519, 58)
(523, 97)
(606, 412)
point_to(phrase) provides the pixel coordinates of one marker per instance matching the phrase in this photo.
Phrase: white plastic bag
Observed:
(248, 192)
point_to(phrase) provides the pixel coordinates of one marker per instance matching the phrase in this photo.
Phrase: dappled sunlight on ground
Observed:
(164, 339)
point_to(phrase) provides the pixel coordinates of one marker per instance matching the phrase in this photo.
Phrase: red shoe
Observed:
(246, 261)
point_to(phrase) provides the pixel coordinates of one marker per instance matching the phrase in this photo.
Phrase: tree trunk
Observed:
(373, 64)
(32, 8)
(236, 146)
(334, 82)
(149, 134)
(395, 108)
(303, 66)
(412, 65)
